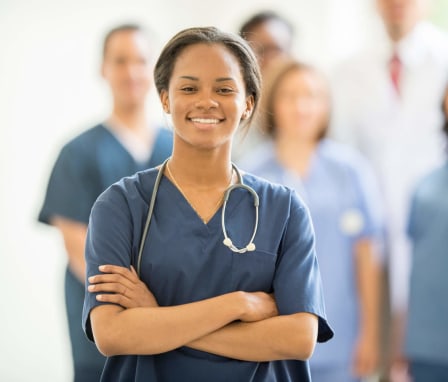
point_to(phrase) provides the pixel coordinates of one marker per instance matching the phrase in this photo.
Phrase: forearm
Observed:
(369, 287)
(74, 235)
(276, 338)
(157, 330)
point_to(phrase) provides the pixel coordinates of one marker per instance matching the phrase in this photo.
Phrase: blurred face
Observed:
(206, 96)
(400, 16)
(301, 106)
(270, 40)
(126, 67)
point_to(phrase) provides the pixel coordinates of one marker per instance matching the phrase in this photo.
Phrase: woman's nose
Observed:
(206, 100)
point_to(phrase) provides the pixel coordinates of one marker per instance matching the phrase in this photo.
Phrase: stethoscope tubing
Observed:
(249, 247)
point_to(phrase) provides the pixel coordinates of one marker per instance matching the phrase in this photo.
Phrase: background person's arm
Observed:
(74, 234)
(368, 275)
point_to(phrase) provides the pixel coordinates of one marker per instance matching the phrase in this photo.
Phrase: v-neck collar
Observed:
(189, 212)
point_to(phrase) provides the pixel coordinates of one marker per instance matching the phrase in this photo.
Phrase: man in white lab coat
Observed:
(387, 102)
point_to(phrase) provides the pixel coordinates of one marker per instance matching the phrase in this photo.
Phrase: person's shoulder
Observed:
(433, 181)
(88, 137)
(136, 186)
(434, 39)
(273, 193)
(342, 154)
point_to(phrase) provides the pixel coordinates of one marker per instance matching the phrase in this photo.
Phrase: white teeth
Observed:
(204, 120)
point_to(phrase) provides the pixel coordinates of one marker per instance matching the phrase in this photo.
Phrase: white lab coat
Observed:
(400, 134)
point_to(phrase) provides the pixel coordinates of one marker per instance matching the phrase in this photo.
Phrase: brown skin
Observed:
(401, 16)
(207, 100)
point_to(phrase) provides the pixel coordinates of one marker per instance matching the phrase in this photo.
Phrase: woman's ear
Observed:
(165, 101)
(249, 107)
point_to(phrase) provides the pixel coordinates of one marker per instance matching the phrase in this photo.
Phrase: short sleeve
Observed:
(69, 192)
(297, 282)
(109, 241)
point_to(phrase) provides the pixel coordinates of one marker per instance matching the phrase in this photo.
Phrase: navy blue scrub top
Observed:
(87, 165)
(184, 260)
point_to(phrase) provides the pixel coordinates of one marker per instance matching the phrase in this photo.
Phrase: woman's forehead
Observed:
(207, 60)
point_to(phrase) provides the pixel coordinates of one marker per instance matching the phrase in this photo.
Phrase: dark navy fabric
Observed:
(184, 260)
(85, 167)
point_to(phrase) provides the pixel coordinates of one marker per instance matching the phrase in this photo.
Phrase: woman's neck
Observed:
(295, 154)
(204, 169)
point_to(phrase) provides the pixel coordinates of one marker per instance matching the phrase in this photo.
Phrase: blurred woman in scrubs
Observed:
(337, 185)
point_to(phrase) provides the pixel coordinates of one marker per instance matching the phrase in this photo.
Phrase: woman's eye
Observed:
(188, 89)
(225, 90)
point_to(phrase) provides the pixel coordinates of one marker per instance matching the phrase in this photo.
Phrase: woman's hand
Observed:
(259, 306)
(121, 286)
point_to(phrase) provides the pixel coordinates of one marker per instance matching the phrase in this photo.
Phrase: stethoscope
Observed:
(227, 241)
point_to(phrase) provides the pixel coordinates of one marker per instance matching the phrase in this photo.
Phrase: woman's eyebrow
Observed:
(220, 79)
(189, 78)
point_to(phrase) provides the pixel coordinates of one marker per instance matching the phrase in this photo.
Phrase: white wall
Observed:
(50, 90)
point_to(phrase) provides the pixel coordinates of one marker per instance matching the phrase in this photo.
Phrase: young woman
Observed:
(338, 188)
(230, 285)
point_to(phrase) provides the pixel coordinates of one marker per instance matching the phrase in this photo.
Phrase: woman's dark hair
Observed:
(210, 35)
(274, 75)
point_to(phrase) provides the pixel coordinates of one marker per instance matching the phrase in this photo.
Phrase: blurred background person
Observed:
(340, 190)
(125, 143)
(270, 35)
(387, 104)
(426, 345)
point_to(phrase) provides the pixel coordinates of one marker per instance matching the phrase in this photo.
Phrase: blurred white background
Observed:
(50, 90)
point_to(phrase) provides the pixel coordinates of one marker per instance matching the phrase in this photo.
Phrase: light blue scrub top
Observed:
(184, 260)
(427, 330)
(344, 204)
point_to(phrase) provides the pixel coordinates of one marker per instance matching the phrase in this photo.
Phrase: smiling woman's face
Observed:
(206, 96)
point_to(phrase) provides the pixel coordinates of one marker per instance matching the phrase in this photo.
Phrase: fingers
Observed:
(115, 273)
(108, 288)
(118, 299)
(131, 275)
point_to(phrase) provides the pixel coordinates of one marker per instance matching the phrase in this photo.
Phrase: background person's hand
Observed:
(122, 286)
(366, 357)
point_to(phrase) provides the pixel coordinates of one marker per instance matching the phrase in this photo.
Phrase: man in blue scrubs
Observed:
(92, 161)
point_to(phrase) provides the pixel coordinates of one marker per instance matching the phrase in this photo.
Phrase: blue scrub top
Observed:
(184, 260)
(427, 334)
(343, 198)
(87, 165)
